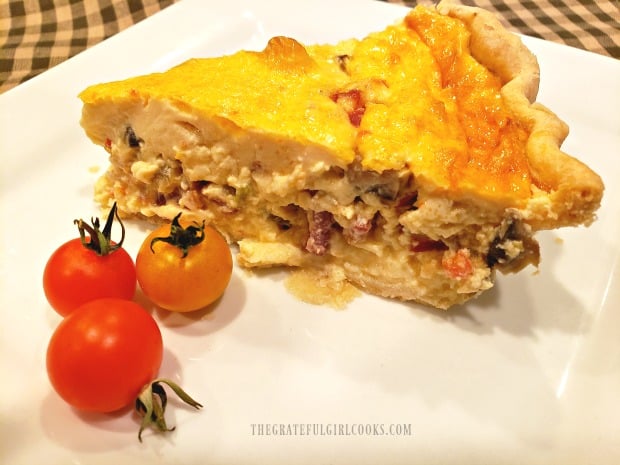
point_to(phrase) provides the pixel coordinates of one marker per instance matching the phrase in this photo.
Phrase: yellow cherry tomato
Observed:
(183, 268)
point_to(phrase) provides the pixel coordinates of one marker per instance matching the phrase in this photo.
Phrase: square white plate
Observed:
(528, 373)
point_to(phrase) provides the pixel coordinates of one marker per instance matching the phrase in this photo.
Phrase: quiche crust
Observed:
(570, 192)
(413, 163)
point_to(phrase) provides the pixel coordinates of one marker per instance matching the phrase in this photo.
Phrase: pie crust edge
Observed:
(572, 192)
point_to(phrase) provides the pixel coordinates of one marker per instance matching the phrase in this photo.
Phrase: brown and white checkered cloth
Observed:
(38, 34)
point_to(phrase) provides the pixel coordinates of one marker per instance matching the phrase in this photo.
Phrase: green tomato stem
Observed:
(100, 241)
(181, 237)
(152, 401)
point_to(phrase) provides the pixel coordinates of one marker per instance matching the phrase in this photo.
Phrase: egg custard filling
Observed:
(412, 163)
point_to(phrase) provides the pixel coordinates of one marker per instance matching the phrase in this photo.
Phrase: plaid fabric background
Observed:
(38, 34)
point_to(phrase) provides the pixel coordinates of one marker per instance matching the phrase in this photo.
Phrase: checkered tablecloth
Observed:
(38, 34)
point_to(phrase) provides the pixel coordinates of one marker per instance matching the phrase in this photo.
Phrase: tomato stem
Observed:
(100, 240)
(181, 237)
(152, 401)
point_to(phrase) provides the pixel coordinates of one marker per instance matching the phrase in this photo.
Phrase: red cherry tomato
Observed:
(86, 269)
(75, 275)
(103, 354)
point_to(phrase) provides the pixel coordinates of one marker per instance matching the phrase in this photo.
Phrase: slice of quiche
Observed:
(412, 163)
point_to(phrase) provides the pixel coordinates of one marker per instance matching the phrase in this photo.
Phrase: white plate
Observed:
(529, 373)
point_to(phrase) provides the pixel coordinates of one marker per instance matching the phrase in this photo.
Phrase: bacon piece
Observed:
(358, 230)
(353, 103)
(160, 199)
(422, 243)
(406, 202)
(320, 224)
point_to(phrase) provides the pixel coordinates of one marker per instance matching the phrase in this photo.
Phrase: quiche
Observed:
(412, 163)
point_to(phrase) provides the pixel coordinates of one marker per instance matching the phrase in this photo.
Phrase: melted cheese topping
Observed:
(409, 97)
(494, 163)
(445, 118)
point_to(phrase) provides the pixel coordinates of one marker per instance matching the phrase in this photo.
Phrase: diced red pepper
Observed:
(353, 103)
(458, 265)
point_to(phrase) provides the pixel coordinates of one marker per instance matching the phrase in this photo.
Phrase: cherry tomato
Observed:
(103, 354)
(183, 268)
(85, 269)
(75, 275)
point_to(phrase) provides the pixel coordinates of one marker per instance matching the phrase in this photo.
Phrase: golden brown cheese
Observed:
(280, 90)
(424, 103)
(445, 117)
